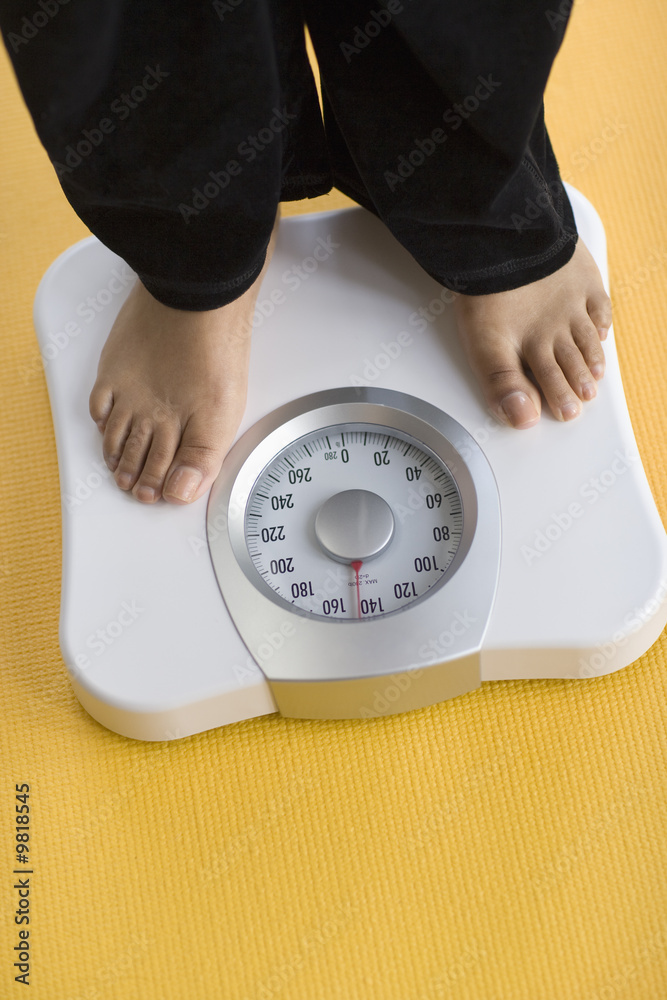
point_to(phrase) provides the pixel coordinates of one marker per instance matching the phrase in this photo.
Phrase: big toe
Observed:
(509, 394)
(198, 459)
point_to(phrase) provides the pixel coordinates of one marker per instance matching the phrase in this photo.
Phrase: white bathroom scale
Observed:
(376, 540)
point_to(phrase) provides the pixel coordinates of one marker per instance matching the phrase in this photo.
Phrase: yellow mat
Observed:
(508, 845)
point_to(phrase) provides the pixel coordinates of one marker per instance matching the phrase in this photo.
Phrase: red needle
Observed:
(356, 566)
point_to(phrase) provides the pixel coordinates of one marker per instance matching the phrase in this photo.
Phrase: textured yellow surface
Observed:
(508, 845)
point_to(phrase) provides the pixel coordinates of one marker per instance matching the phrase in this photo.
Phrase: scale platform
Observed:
(150, 648)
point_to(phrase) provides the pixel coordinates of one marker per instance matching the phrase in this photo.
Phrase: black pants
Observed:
(176, 127)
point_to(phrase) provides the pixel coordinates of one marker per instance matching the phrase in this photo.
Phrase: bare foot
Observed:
(171, 391)
(552, 327)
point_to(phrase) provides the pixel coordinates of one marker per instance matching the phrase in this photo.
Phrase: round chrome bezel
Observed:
(424, 425)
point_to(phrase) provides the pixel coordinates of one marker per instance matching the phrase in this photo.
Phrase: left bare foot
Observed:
(553, 327)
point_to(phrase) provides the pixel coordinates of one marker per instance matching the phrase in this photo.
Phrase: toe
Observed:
(559, 394)
(198, 460)
(117, 429)
(599, 310)
(100, 404)
(587, 339)
(508, 392)
(575, 369)
(134, 454)
(149, 485)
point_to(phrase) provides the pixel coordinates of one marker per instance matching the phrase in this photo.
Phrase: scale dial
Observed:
(355, 536)
(354, 521)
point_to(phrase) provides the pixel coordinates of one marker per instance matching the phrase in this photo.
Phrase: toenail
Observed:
(519, 409)
(183, 484)
(603, 331)
(146, 494)
(588, 390)
(597, 371)
(124, 480)
(569, 411)
(112, 462)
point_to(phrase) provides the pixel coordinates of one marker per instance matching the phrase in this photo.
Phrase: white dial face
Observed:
(353, 521)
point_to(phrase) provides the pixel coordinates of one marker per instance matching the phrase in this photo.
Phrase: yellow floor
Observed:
(508, 845)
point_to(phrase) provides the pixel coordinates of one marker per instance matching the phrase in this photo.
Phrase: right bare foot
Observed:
(170, 393)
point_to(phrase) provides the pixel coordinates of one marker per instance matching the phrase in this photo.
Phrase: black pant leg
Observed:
(175, 128)
(434, 120)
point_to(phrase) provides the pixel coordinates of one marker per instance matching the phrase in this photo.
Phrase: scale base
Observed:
(146, 638)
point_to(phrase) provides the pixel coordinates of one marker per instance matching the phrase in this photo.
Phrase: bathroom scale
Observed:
(376, 541)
